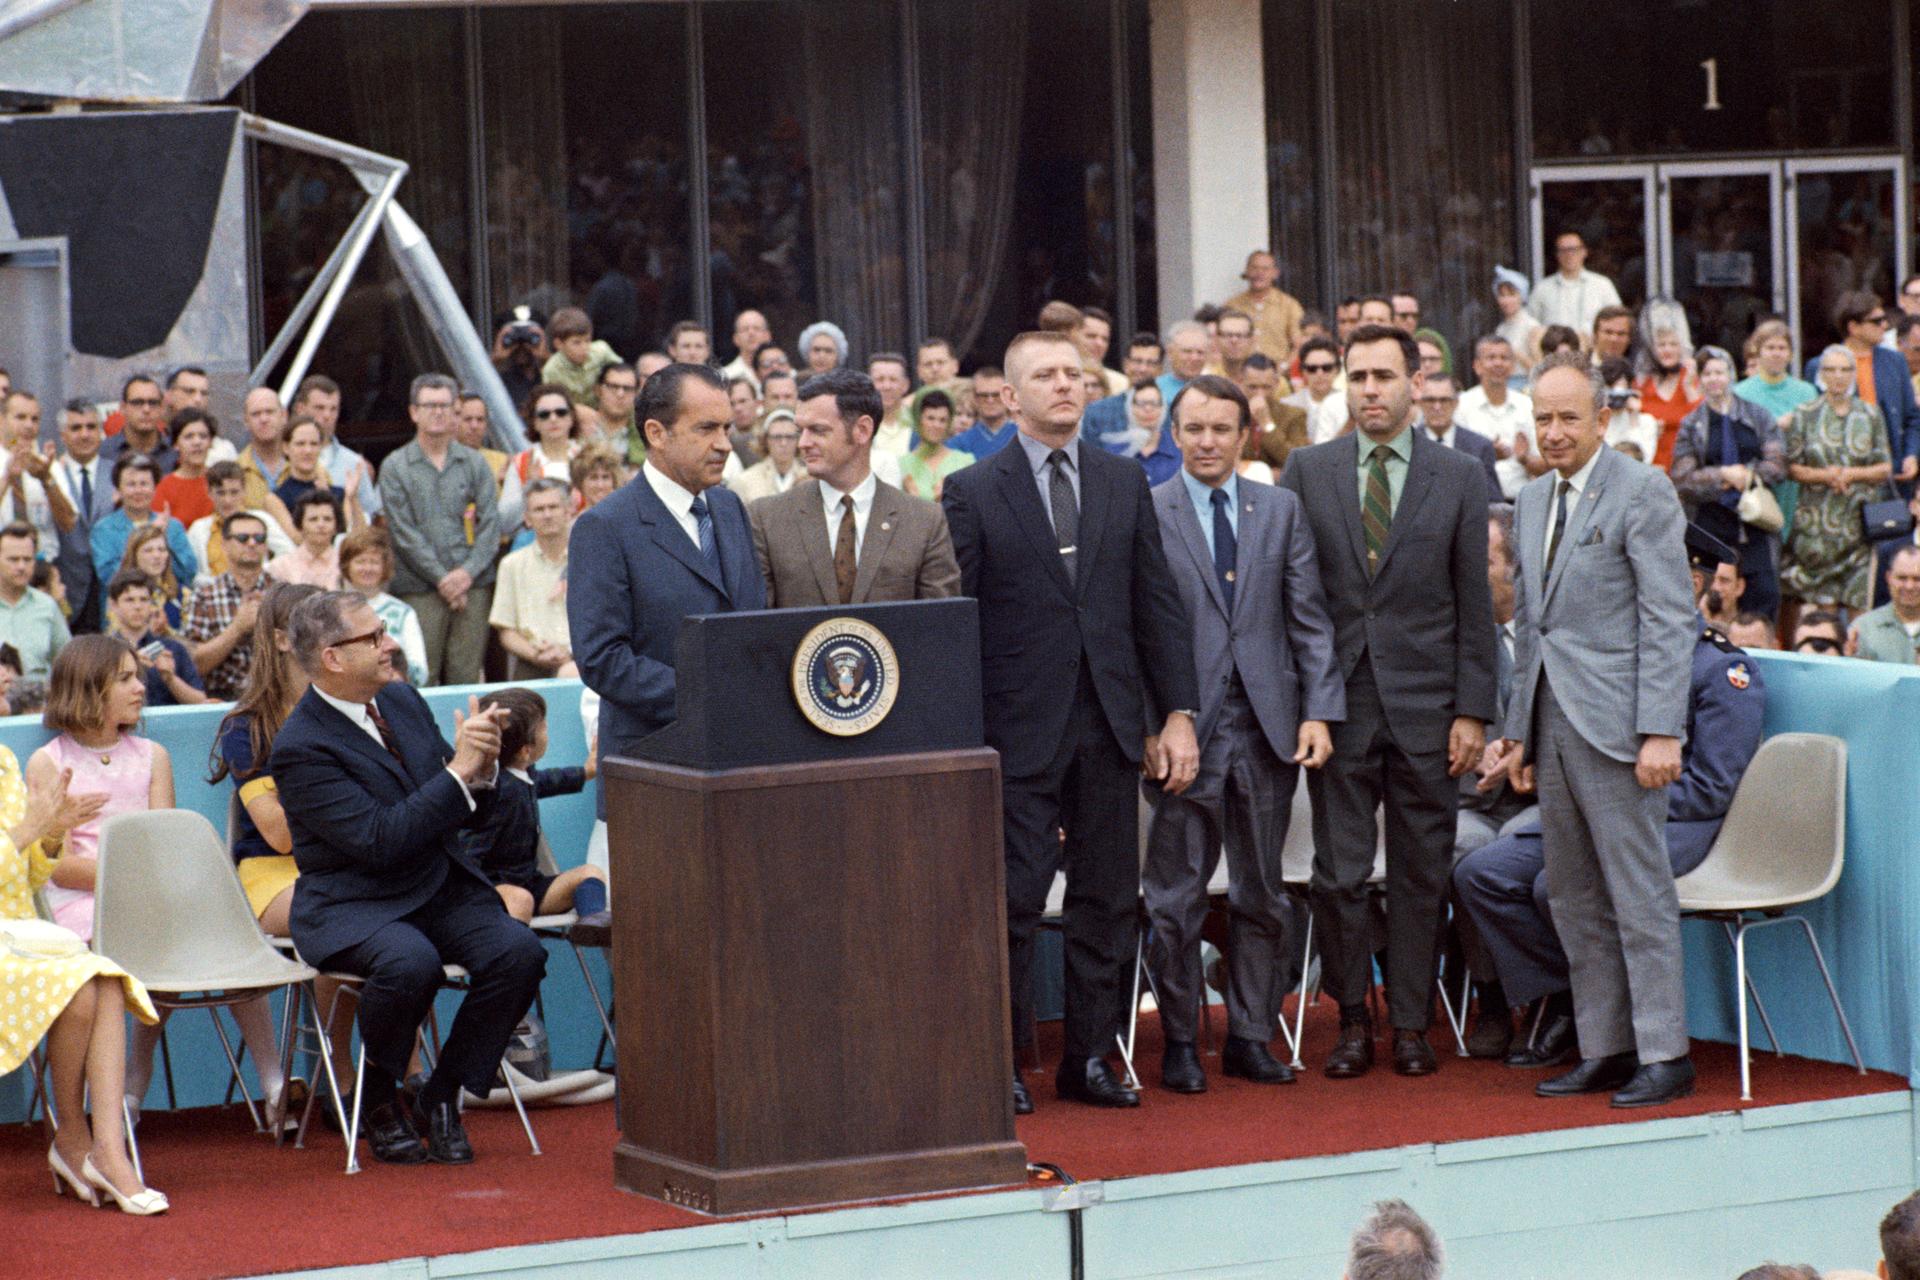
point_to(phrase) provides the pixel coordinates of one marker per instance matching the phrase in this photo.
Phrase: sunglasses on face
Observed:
(145, 402)
(1878, 317)
(1318, 368)
(1617, 398)
(258, 539)
(544, 414)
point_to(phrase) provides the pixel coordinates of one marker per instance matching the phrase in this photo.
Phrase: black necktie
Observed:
(1066, 511)
(1224, 546)
(86, 494)
(1559, 522)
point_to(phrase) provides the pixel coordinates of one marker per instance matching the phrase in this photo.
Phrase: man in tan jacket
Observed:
(842, 536)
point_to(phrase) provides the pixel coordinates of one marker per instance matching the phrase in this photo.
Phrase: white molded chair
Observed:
(1783, 843)
(170, 911)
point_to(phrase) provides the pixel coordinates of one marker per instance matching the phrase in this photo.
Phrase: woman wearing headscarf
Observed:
(1517, 325)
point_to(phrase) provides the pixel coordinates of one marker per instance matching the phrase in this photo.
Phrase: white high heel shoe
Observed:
(64, 1180)
(142, 1203)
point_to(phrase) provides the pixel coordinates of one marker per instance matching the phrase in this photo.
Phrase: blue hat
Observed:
(1507, 275)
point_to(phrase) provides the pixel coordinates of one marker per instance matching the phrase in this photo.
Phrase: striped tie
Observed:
(1376, 513)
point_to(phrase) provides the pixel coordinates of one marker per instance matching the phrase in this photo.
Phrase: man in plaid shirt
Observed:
(220, 614)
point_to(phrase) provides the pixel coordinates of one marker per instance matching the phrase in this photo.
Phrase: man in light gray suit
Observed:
(1603, 624)
(1243, 558)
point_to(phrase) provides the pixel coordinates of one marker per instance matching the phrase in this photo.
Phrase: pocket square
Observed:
(1593, 539)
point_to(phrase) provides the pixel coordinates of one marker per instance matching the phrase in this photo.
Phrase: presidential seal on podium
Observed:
(845, 677)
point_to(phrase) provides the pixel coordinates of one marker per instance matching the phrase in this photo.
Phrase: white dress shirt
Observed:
(1325, 418)
(1573, 303)
(679, 502)
(357, 712)
(862, 508)
(1501, 423)
(66, 475)
(1579, 481)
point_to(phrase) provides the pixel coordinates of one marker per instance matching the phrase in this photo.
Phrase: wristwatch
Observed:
(1191, 715)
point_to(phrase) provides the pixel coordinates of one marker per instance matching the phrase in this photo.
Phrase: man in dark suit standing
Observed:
(1439, 397)
(1244, 562)
(1080, 627)
(1400, 527)
(376, 799)
(843, 535)
(671, 543)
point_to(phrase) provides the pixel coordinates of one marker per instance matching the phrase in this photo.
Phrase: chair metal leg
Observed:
(1832, 993)
(1739, 998)
(1456, 1019)
(226, 1047)
(133, 1140)
(599, 1005)
(166, 1065)
(508, 1073)
(352, 1122)
(325, 1054)
(1297, 1037)
(1766, 1023)
(1133, 1008)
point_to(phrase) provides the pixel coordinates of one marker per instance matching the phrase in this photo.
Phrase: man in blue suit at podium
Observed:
(673, 542)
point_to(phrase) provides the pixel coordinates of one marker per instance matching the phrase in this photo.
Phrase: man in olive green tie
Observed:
(1400, 533)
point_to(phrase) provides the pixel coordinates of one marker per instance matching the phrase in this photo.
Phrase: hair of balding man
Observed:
(1573, 362)
(1017, 359)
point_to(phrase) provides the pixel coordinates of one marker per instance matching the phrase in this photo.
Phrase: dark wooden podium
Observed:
(810, 944)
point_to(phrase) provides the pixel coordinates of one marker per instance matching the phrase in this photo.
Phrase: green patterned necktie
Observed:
(1376, 513)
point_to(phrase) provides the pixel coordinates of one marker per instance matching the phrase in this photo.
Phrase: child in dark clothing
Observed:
(507, 846)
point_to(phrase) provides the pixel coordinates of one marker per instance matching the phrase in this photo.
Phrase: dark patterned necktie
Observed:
(845, 562)
(1066, 511)
(1559, 521)
(1376, 513)
(385, 730)
(1225, 548)
(703, 521)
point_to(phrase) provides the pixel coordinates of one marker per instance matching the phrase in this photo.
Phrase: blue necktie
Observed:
(86, 495)
(704, 520)
(1225, 549)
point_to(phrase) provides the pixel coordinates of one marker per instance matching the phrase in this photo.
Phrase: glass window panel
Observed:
(1846, 242)
(1292, 113)
(1611, 216)
(589, 102)
(394, 83)
(1669, 76)
(1722, 235)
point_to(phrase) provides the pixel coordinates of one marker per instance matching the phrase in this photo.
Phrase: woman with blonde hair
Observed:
(147, 552)
(1668, 387)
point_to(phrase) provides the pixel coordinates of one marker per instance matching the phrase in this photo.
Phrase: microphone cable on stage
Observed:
(1061, 1179)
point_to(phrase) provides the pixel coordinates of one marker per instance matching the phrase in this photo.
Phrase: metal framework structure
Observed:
(380, 177)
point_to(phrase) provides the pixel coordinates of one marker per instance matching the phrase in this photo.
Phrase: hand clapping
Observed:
(476, 740)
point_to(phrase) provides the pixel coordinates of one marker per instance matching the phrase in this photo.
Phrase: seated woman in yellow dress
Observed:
(51, 985)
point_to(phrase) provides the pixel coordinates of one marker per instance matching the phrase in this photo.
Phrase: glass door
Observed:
(1612, 207)
(1846, 221)
(1722, 251)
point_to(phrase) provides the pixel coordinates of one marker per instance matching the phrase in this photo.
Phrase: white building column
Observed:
(1209, 148)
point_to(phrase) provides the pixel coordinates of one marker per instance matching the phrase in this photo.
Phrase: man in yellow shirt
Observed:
(1276, 313)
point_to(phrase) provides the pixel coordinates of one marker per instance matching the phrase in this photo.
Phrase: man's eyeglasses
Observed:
(1318, 368)
(1817, 644)
(373, 637)
(1616, 399)
(544, 414)
(258, 539)
(1878, 317)
(434, 406)
(144, 402)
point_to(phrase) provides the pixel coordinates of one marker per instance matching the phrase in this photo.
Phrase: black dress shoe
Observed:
(1556, 1043)
(446, 1136)
(1657, 1083)
(1252, 1060)
(1180, 1068)
(392, 1136)
(1092, 1082)
(1353, 1056)
(1412, 1055)
(594, 930)
(1492, 1035)
(1022, 1100)
(1593, 1075)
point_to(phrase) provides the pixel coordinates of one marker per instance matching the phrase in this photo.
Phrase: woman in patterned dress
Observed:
(1837, 451)
(51, 985)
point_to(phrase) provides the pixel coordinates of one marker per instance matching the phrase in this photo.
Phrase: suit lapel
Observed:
(1347, 488)
(1017, 487)
(1095, 498)
(1253, 527)
(812, 533)
(882, 520)
(1186, 518)
(1412, 493)
(360, 740)
(673, 539)
(1577, 523)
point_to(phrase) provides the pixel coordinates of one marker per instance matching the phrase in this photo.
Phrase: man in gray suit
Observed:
(1400, 532)
(1603, 624)
(844, 536)
(1242, 557)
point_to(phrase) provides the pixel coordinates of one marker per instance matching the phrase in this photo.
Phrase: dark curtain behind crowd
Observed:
(1422, 147)
(970, 131)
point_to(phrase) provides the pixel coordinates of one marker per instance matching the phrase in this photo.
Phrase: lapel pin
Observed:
(884, 526)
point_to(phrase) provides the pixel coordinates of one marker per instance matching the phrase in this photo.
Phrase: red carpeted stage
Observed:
(243, 1207)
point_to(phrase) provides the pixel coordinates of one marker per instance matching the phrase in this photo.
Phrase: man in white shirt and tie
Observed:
(1502, 415)
(84, 480)
(1572, 295)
